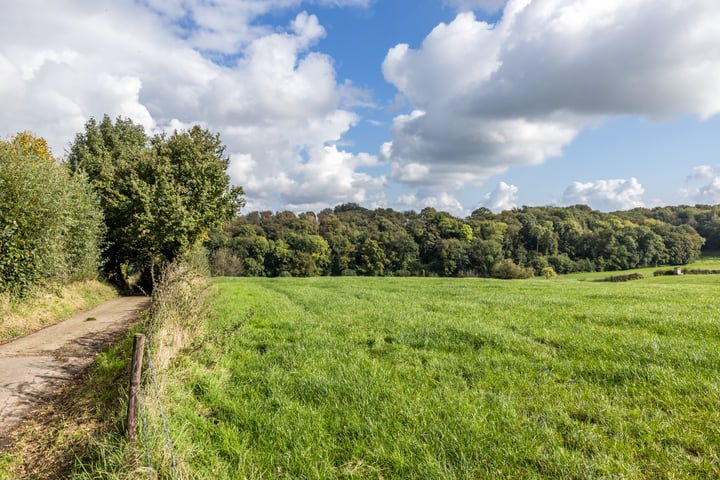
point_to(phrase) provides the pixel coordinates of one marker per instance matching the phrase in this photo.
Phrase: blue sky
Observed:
(454, 104)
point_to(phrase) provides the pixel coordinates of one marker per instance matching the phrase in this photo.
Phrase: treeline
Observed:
(705, 219)
(122, 204)
(352, 240)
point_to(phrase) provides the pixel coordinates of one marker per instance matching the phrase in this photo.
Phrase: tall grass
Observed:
(450, 378)
(175, 317)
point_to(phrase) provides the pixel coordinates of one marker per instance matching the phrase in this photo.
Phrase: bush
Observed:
(700, 271)
(621, 278)
(563, 264)
(660, 273)
(539, 263)
(548, 273)
(507, 269)
(51, 225)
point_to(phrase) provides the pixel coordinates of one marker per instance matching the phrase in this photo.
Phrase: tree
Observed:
(160, 195)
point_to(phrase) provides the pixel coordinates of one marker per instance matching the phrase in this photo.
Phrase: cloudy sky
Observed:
(455, 104)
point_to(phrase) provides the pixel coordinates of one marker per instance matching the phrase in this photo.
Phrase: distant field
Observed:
(453, 378)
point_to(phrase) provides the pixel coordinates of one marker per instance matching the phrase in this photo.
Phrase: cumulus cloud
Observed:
(504, 197)
(709, 191)
(225, 26)
(607, 195)
(329, 177)
(406, 200)
(488, 97)
(445, 202)
(703, 172)
(170, 64)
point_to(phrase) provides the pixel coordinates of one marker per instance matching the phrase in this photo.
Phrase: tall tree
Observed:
(160, 195)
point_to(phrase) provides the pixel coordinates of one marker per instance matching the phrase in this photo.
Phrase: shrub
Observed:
(700, 271)
(538, 264)
(548, 273)
(51, 225)
(660, 273)
(621, 278)
(507, 269)
(563, 264)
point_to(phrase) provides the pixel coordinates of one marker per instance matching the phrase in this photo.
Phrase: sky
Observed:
(403, 104)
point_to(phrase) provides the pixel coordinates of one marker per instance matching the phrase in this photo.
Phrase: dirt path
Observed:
(32, 366)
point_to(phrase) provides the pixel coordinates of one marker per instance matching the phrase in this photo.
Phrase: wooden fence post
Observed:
(135, 371)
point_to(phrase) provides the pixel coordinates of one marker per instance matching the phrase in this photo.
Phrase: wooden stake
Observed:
(135, 371)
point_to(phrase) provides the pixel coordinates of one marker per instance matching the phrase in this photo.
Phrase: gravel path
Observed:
(32, 366)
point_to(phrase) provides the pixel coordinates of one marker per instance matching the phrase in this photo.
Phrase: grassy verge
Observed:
(79, 432)
(448, 378)
(70, 420)
(21, 317)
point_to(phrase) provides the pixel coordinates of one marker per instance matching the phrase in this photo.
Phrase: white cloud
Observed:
(607, 195)
(703, 172)
(329, 177)
(274, 99)
(709, 192)
(225, 26)
(406, 200)
(504, 197)
(489, 97)
(445, 202)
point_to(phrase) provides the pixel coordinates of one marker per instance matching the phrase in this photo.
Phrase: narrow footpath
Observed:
(33, 366)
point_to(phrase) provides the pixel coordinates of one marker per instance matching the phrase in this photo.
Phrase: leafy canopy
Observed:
(161, 195)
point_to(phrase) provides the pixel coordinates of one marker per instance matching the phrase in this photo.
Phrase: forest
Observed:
(518, 243)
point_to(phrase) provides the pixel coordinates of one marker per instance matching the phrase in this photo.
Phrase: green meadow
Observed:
(452, 378)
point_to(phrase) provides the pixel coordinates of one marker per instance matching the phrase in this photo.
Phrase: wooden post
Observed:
(135, 371)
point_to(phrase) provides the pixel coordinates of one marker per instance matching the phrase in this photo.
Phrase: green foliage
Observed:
(385, 242)
(548, 273)
(160, 195)
(621, 278)
(50, 222)
(507, 270)
(447, 378)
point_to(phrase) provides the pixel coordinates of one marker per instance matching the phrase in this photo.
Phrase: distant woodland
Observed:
(352, 240)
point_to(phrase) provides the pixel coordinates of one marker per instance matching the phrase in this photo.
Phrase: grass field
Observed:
(452, 378)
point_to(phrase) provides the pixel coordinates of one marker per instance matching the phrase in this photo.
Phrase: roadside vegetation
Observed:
(51, 224)
(23, 316)
(79, 430)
